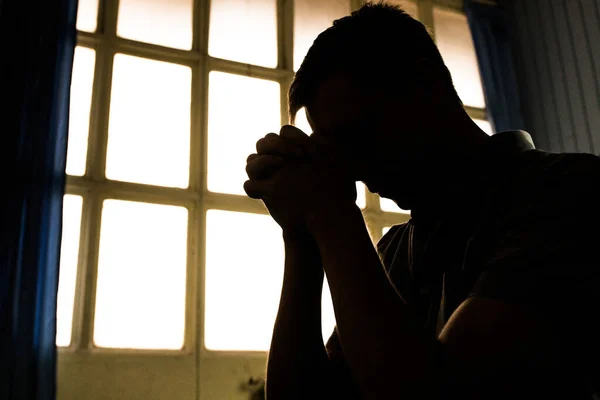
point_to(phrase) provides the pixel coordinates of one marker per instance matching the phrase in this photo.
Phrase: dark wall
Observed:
(557, 56)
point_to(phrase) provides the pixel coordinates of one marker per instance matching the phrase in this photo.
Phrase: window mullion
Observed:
(85, 295)
(425, 8)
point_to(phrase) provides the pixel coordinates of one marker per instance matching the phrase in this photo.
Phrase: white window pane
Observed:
(407, 5)
(485, 126)
(327, 312)
(241, 110)
(87, 15)
(163, 22)
(242, 286)
(79, 109)
(69, 254)
(301, 121)
(140, 294)
(386, 229)
(453, 38)
(390, 206)
(311, 17)
(149, 127)
(361, 200)
(244, 31)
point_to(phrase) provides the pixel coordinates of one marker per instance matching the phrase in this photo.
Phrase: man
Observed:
(490, 291)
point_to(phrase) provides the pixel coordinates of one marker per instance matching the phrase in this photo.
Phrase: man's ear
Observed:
(433, 84)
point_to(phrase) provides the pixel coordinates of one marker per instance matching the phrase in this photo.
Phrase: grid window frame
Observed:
(94, 187)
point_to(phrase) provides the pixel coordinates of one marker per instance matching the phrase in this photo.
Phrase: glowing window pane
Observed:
(453, 38)
(243, 286)
(79, 109)
(361, 200)
(390, 206)
(327, 312)
(409, 6)
(87, 15)
(485, 126)
(312, 17)
(69, 254)
(140, 295)
(301, 121)
(241, 110)
(149, 127)
(244, 31)
(162, 22)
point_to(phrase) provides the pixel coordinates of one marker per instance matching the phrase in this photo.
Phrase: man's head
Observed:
(376, 84)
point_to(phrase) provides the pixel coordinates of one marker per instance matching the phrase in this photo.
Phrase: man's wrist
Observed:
(327, 215)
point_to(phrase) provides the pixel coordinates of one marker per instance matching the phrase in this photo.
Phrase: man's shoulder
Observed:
(393, 235)
(548, 206)
(391, 243)
(553, 183)
(560, 165)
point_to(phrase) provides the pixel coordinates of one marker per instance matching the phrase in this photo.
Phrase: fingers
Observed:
(294, 134)
(261, 166)
(291, 141)
(276, 145)
(257, 189)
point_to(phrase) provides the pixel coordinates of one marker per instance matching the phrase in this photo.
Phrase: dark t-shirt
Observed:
(525, 232)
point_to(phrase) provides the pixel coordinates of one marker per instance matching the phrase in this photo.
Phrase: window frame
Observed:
(94, 187)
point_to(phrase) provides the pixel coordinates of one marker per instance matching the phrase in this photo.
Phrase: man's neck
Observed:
(455, 174)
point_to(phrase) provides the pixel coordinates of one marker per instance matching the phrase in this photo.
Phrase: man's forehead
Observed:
(337, 103)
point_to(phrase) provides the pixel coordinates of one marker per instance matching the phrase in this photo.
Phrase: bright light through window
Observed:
(244, 31)
(87, 15)
(69, 254)
(241, 110)
(327, 312)
(407, 5)
(453, 38)
(149, 126)
(140, 295)
(163, 22)
(311, 17)
(485, 126)
(390, 206)
(301, 121)
(243, 286)
(79, 109)
(386, 230)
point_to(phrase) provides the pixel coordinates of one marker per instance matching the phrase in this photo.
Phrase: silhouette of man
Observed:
(490, 291)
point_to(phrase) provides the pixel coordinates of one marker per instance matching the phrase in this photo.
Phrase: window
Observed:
(170, 276)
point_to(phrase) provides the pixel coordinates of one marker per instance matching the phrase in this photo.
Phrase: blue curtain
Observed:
(38, 41)
(492, 44)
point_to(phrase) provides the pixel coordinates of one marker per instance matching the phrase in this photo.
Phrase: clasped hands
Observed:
(300, 178)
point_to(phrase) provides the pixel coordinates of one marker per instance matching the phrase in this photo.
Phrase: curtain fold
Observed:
(38, 42)
(496, 64)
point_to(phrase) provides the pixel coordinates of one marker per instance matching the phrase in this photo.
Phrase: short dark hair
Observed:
(378, 44)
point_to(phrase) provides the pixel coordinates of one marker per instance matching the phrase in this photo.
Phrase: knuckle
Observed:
(251, 158)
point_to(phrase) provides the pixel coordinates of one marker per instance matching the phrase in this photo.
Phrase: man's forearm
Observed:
(297, 357)
(382, 344)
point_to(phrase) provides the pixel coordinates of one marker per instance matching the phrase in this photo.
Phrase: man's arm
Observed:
(387, 352)
(382, 344)
(299, 367)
